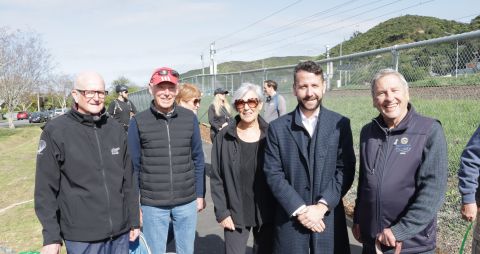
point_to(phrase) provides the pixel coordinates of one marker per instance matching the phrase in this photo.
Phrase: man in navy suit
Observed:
(309, 166)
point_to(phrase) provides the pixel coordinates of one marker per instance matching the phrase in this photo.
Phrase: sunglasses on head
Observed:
(252, 103)
(164, 72)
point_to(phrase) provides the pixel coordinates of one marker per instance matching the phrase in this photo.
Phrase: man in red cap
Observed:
(166, 150)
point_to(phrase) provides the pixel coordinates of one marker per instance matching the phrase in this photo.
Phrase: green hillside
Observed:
(399, 30)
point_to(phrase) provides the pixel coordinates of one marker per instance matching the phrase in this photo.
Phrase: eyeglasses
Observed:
(252, 103)
(89, 94)
(125, 91)
(196, 101)
(164, 72)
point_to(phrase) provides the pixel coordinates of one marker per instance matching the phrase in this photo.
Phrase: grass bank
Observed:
(20, 229)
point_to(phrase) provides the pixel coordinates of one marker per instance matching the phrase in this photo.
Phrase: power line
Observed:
(350, 25)
(331, 15)
(281, 29)
(258, 21)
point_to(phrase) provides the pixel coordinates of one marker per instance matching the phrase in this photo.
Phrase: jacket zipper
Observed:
(104, 179)
(381, 174)
(170, 159)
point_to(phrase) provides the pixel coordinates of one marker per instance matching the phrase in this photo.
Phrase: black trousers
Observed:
(236, 241)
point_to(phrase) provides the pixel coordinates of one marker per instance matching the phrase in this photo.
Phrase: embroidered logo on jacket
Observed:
(115, 150)
(404, 147)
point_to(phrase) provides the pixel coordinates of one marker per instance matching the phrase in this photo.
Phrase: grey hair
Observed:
(244, 89)
(384, 72)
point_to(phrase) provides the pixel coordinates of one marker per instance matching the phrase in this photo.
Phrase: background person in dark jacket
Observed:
(468, 185)
(242, 199)
(84, 189)
(403, 173)
(219, 112)
(166, 149)
(121, 109)
(309, 166)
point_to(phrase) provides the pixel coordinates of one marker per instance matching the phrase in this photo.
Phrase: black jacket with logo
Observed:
(83, 185)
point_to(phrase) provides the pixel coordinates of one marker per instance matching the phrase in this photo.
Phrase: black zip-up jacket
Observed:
(403, 176)
(83, 185)
(225, 178)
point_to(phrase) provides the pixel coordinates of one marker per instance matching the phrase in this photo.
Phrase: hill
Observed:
(399, 30)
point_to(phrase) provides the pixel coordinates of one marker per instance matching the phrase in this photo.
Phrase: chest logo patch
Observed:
(404, 147)
(115, 150)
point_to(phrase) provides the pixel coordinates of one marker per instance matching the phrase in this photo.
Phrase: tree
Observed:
(61, 87)
(24, 65)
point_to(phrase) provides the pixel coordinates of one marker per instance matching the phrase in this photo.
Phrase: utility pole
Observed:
(203, 64)
(213, 64)
(328, 66)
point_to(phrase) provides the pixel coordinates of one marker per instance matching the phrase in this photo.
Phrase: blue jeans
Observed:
(157, 219)
(117, 245)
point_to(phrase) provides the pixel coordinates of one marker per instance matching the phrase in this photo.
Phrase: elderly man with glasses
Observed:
(166, 149)
(84, 185)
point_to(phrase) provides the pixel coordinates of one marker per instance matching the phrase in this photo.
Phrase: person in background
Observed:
(309, 166)
(468, 185)
(403, 173)
(166, 149)
(121, 109)
(219, 112)
(85, 191)
(275, 105)
(189, 97)
(243, 202)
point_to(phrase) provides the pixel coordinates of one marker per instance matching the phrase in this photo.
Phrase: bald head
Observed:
(89, 93)
(89, 80)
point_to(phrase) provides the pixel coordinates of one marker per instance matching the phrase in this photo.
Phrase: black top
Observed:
(120, 111)
(248, 166)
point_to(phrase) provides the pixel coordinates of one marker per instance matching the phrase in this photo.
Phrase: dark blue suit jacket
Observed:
(301, 175)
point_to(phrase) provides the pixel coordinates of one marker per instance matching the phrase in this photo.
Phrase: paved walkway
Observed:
(209, 238)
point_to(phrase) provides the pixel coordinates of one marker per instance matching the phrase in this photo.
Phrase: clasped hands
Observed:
(311, 217)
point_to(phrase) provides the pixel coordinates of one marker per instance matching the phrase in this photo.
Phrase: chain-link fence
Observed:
(448, 60)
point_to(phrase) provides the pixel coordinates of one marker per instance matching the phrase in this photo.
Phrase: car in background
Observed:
(22, 115)
(60, 111)
(38, 117)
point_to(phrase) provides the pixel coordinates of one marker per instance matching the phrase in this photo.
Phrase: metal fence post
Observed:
(395, 56)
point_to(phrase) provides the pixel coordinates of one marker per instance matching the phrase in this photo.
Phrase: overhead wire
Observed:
(258, 21)
(328, 16)
(341, 27)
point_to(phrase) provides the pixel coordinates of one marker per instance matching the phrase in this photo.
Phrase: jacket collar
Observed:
(232, 126)
(402, 126)
(88, 120)
(158, 114)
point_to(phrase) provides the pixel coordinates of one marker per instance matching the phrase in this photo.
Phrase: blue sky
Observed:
(131, 38)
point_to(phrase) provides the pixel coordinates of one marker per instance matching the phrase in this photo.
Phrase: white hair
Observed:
(384, 72)
(245, 88)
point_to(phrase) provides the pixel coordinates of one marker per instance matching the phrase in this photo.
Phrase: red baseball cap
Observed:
(164, 74)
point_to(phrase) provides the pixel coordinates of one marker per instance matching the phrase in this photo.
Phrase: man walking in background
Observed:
(121, 109)
(403, 173)
(309, 166)
(166, 150)
(275, 105)
(84, 185)
(468, 185)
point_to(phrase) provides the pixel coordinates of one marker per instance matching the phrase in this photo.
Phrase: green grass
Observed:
(20, 228)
